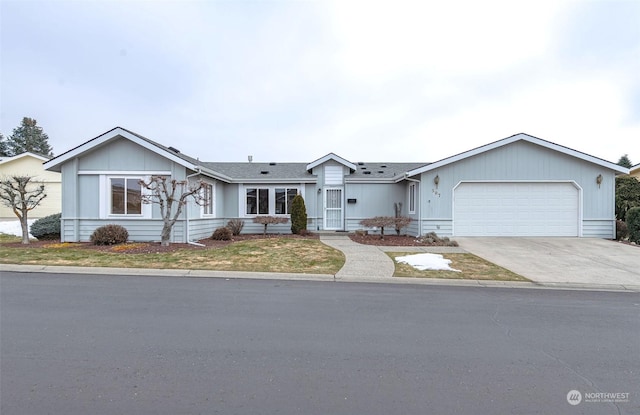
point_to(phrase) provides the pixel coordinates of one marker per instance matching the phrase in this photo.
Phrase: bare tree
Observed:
(169, 194)
(21, 194)
(268, 220)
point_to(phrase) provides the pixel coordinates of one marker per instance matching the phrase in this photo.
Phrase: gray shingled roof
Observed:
(267, 171)
(382, 170)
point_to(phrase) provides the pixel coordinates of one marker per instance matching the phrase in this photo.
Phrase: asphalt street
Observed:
(99, 344)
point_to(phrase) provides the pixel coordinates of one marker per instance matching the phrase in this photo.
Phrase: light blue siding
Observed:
(122, 155)
(520, 161)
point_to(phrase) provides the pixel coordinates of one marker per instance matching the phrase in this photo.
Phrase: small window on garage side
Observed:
(412, 198)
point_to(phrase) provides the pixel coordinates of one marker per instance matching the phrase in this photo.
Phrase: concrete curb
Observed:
(173, 273)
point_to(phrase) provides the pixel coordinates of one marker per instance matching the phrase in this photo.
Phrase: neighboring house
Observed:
(30, 164)
(634, 171)
(518, 186)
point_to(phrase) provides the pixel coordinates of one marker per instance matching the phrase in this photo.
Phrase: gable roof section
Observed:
(512, 139)
(334, 157)
(25, 154)
(189, 162)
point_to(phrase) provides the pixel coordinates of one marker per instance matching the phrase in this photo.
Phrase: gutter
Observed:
(406, 176)
(186, 211)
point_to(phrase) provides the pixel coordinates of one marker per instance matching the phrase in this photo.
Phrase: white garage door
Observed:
(515, 209)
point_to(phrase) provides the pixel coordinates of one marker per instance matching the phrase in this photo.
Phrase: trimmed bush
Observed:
(298, 215)
(236, 226)
(47, 228)
(110, 235)
(222, 234)
(633, 223)
(621, 230)
(269, 220)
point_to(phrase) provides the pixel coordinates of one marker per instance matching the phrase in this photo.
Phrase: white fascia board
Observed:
(331, 156)
(19, 156)
(273, 181)
(512, 139)
(106, 137)
(370, 181)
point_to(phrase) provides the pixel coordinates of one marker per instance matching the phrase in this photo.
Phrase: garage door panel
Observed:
(516, 209)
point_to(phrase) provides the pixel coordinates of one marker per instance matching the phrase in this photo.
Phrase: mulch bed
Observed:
(389, 240)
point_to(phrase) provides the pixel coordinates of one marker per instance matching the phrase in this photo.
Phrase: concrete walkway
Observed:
(361, 260)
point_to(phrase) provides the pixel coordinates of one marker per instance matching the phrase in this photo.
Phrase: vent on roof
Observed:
(380, 171)
(384, 166)
(175, 150)
(363, 168)
(272, 164)
(366, 172)
(264, 172)
(360, 163)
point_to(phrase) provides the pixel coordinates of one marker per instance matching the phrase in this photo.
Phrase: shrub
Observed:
(222, 234)
(235, 225)
(633, 223)
(298, 215)
(386, 222)
(47, 227)
(268, 220)
(622, 231)
(433, 239)
(109, 235)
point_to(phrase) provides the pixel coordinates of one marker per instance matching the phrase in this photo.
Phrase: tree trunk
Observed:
(166, 235)
(25, 229)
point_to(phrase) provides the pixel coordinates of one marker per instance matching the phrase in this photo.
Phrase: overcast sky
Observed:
(293, 80)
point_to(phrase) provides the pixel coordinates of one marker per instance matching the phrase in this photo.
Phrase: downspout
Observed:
(419, 204)
(186, 211)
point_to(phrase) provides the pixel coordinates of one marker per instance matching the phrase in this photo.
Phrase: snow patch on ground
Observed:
(422, 262)
(12, 227)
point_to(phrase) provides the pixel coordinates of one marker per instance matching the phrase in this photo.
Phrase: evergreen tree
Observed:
(298, 215)
(29, 137)
(4, 149)
(625, 162)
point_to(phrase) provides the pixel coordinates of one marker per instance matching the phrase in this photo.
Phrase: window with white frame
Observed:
(284, 199)
(269, 200)
(208, 199)
(412, 198)
(126, 196)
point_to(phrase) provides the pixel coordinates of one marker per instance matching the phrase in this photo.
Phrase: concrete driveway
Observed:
(561, 260)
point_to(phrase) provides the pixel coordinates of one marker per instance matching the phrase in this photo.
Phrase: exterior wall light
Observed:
(436, 180)
(599, 180)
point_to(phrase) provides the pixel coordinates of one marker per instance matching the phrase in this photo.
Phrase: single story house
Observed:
(30, 164)
(517, 186)
(634, 171)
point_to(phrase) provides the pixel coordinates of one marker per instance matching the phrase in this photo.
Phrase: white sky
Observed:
(292, 81)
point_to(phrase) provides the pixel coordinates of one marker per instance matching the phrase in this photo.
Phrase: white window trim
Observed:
(412, 189)
(213, 202)
(242, 198)
(105, 198)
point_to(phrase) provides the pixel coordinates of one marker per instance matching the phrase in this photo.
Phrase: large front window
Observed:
(269, 200)
(126, 196)
(284, 199)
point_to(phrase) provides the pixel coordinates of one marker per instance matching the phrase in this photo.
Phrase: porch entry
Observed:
(333, 211)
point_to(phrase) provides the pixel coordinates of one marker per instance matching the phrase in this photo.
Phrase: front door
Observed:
(333, 213)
